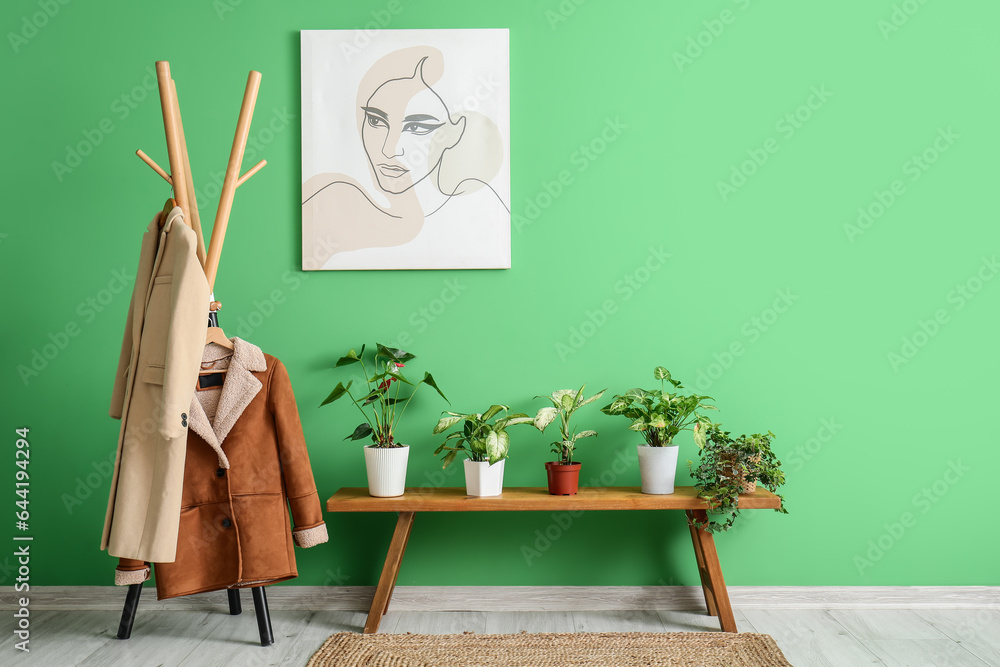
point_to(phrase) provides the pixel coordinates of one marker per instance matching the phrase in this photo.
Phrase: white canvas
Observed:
(405, 149)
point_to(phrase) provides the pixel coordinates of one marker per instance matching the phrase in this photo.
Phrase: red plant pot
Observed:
(564, 479)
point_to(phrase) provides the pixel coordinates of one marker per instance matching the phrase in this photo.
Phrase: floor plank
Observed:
(160, 639)
(886, 624)
(236, 642)
(62, 638)
(978, 630)
(317, 628)
(922, 653)
(699, 621)
(617, 621)
(440, 622)
(811, 637)
(509, 622)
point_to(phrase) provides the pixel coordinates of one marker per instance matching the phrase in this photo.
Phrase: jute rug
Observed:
(598, 649)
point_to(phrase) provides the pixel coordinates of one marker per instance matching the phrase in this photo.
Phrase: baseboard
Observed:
(530, 598)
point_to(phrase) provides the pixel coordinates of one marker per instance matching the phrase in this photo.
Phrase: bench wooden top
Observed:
(453, 499)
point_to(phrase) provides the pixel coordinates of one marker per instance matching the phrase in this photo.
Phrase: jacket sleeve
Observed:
(185, 334)
(307, 514)
(121, 375)
(147, 254)
(131, 571)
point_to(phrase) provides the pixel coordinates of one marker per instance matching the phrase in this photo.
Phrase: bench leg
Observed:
(390, 571)
(713, 584)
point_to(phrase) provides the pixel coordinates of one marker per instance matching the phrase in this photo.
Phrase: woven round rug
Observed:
(597, 649)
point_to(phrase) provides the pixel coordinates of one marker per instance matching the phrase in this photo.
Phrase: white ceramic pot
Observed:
(386, 470)
(483, 479)
(658, 468)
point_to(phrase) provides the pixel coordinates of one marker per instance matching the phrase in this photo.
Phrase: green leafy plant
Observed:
(726, 464)
(380, 403)
(660, 415)
(480, 439)
(565, 403)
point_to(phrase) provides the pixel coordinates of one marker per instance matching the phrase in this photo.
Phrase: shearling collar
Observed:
(238, 390)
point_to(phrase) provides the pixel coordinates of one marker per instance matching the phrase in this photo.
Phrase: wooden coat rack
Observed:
(183, 186)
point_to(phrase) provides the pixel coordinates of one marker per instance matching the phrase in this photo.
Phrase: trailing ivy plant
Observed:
(725, 464)
(480, 439)
(379, 404)
(565, 403)
(660, 415)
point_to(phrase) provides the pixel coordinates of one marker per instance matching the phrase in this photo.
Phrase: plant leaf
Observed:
(592, 398)
(513, 420)
(557, 396)
(661, 373)
(351, 357)
(429, 380)
(497, 445)
(449, 458)
(394, 353)
(493, 411)
(361, 432)
(544, 418)
(586, 434)
(445, 423)
(337, 392)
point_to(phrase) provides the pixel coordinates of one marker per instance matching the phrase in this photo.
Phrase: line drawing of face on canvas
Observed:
(402, 133)
(419, 154)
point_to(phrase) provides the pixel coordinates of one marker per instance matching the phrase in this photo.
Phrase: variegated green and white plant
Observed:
(480, 439)
(660, 415)
(565, 403)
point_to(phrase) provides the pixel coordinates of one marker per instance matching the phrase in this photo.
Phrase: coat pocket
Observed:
(153, 374)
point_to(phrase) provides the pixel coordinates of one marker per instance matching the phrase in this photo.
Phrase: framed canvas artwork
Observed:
(405, 149)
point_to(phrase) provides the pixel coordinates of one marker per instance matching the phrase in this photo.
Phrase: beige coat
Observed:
(157, 370)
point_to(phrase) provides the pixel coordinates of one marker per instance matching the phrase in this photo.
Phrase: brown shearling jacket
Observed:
(243, 471)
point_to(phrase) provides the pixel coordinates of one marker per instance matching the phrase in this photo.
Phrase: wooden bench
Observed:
(538, 500)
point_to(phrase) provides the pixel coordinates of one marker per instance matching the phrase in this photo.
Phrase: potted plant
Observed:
(659, 416)
(485, 443)
(729, 467)
(564, 474)
(382, 406)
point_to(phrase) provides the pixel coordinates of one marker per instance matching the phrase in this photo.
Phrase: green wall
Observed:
(868, 346)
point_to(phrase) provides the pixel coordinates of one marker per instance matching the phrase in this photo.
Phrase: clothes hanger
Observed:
(167, 208)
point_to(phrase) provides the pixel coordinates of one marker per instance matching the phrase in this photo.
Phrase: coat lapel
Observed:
(239, 389)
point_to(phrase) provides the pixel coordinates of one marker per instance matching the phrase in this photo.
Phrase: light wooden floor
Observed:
(808, 637)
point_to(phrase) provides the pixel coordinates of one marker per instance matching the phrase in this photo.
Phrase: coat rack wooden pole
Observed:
(232, 178)
(171, 121)
(194, 220)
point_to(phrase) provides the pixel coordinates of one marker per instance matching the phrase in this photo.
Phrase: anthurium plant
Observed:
(725, 465)
(481, 439)
(660, 415)
(565, 403)
(382, 404)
